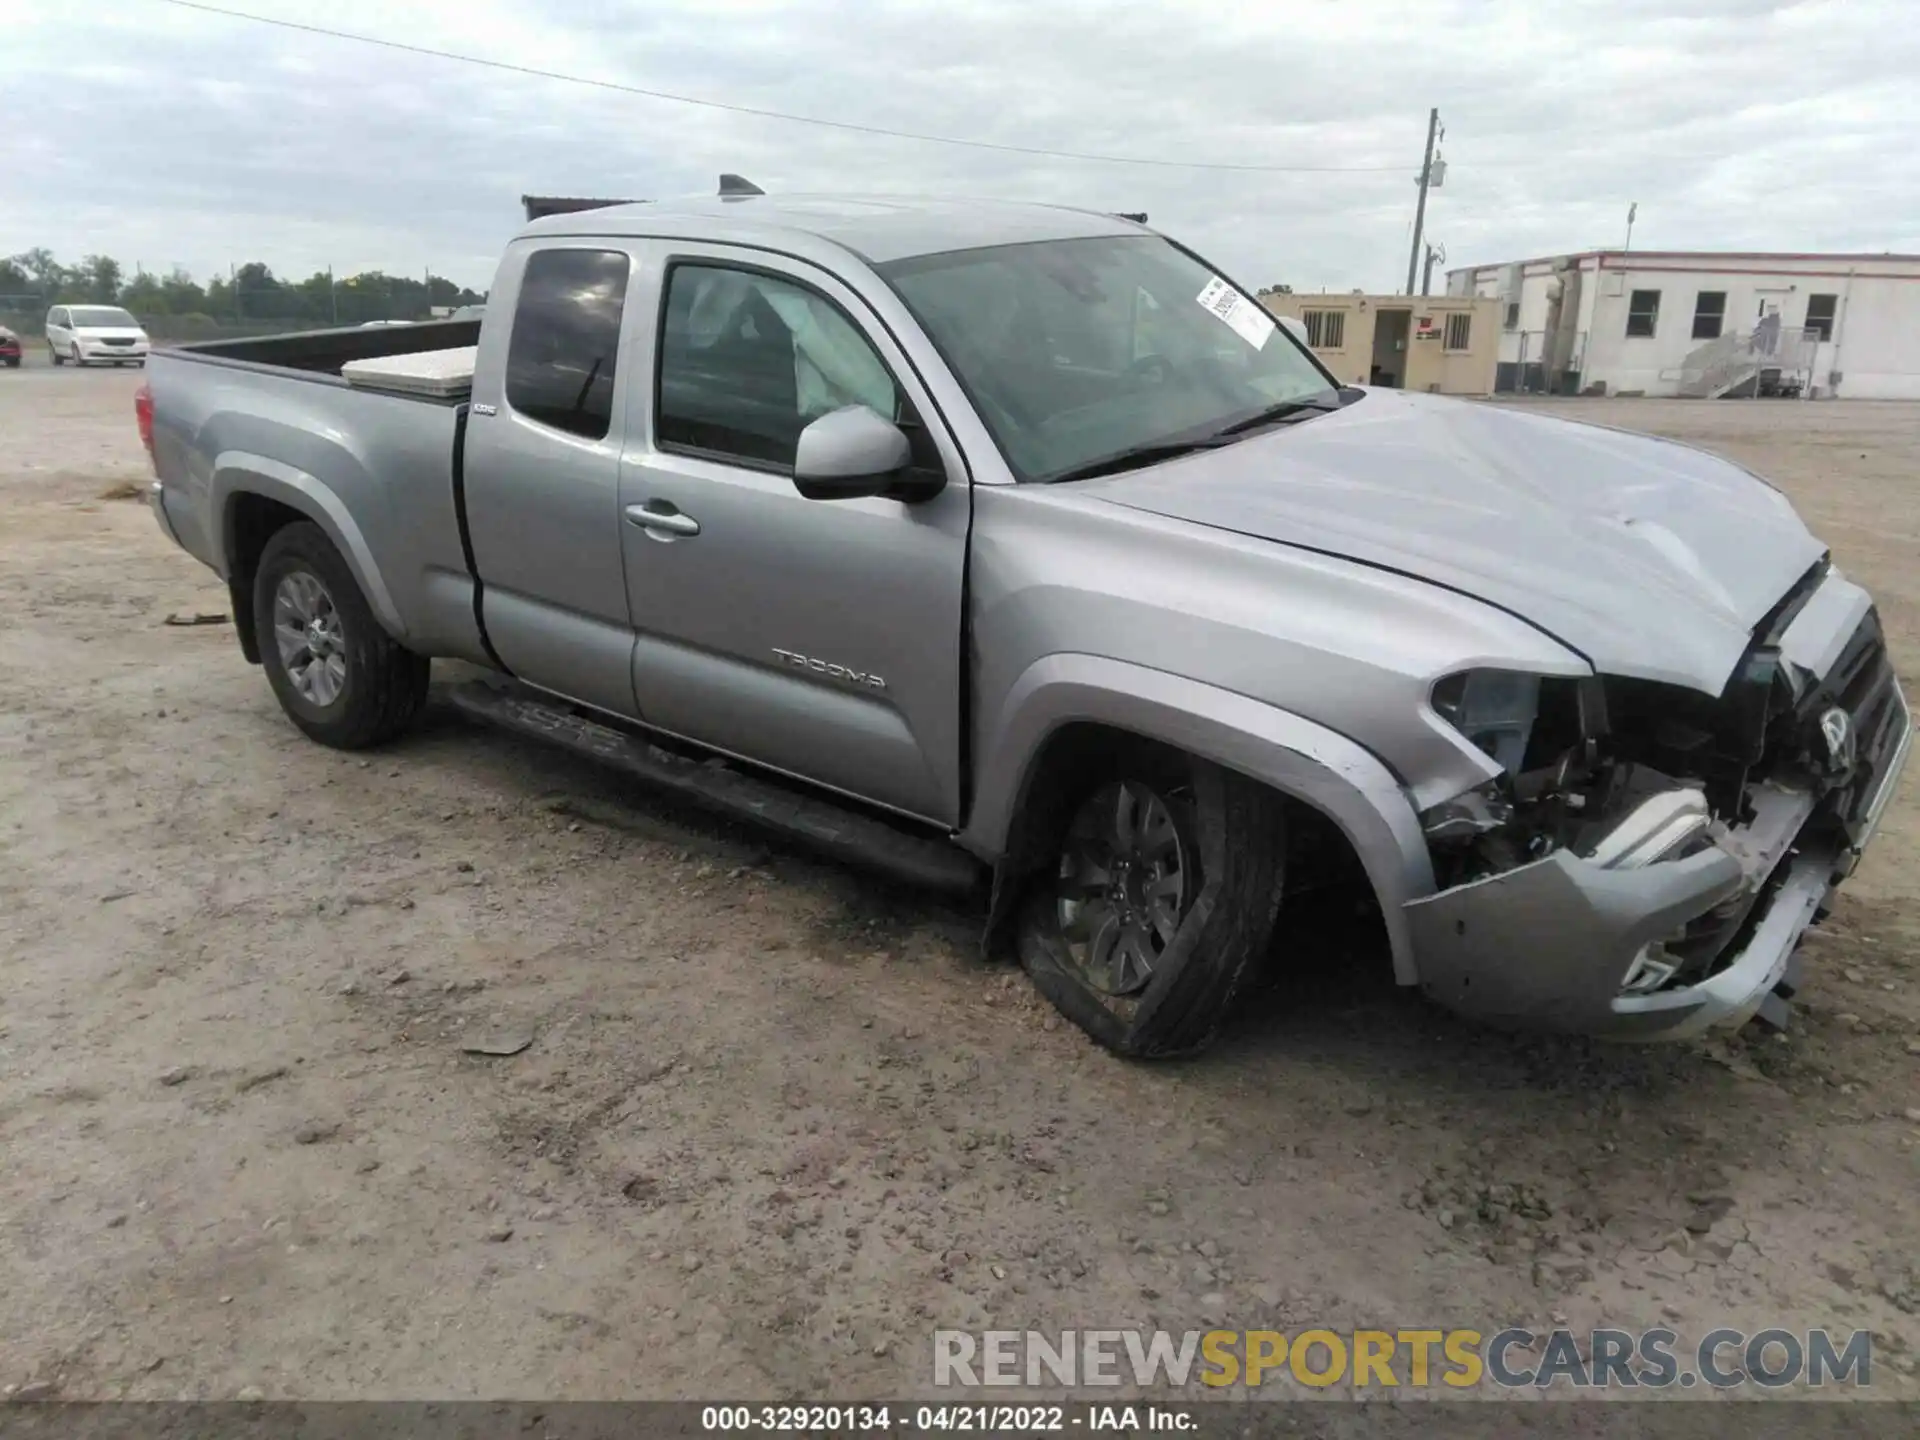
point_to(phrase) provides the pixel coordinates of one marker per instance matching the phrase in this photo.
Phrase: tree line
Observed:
(33, 280)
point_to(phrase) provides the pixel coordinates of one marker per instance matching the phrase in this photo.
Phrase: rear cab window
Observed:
(563, 352)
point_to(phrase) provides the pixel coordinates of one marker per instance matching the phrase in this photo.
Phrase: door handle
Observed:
(671, 521)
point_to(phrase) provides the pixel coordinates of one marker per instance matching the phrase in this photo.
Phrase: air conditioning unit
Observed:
(1511, 279)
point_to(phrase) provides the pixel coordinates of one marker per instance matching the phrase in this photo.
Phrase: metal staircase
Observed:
(1738, 363)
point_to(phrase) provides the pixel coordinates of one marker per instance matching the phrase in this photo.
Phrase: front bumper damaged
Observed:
(1551, 945)
(1548, 946)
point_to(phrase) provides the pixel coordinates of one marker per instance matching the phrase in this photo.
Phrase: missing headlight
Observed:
(1495, 709)
(1546, 733)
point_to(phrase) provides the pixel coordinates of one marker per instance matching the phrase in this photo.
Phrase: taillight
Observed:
(143, 412)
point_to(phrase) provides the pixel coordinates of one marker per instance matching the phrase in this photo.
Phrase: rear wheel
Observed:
(1165, 889)
(340, 677)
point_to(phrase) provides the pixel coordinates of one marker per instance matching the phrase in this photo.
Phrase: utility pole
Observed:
(333, 296)
(1436, 254)
(1420, 213)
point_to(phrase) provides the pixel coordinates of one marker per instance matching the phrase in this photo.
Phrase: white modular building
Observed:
(1705, 323)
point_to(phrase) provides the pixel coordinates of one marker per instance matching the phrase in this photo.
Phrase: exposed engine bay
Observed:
(1623, 773)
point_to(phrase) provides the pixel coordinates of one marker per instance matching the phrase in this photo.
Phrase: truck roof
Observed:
(878, 228)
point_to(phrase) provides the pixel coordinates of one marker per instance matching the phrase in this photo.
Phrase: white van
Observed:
(86, 334)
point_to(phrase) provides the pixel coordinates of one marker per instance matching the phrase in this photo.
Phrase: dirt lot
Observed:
(776, 1121)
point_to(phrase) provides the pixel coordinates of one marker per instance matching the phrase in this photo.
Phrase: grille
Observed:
(1862, 682)
(115, 340)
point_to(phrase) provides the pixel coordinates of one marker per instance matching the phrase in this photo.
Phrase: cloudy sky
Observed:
(166, 136)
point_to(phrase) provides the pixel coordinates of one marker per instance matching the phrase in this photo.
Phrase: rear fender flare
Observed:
(236, 473)
(1296, 756)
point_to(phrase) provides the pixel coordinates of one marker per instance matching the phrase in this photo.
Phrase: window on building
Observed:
(1459, 331)
(1326, 329)
(1512, 322)
(566, 339)
(1820, 312)
(1709, 312)
(747, 361)
(1643, 313)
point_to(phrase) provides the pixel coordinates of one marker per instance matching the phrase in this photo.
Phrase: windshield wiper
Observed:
(1136, 456)
(1286, 410)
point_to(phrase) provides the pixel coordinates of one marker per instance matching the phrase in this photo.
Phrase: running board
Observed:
(836, 831)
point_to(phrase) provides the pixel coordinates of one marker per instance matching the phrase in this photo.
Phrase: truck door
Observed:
(820, 638)
(542, 470)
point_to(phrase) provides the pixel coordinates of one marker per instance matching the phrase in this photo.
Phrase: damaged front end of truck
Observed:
(1647, 860)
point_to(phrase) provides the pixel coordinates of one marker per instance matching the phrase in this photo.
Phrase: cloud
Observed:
(165, 136)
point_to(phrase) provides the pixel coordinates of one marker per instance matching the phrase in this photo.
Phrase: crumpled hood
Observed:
(1649, 558)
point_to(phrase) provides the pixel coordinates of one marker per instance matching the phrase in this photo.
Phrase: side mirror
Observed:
(850, 453)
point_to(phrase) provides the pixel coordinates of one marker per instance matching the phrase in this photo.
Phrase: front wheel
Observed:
(340, 677)
(55, 356)
(73, 354)
(1165, 890)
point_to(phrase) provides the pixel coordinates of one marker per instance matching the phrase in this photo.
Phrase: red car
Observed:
(9, 348)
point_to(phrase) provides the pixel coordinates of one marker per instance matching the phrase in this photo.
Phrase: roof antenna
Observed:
(738, 185)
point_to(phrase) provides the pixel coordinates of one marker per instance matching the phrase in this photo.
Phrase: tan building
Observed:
(1449, 344)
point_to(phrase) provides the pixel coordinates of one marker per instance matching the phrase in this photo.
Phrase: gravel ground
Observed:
(775, 1121)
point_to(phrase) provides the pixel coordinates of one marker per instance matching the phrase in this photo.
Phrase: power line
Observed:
(779, 114)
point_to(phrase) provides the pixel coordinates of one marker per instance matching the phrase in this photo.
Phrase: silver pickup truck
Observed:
(1014, 542)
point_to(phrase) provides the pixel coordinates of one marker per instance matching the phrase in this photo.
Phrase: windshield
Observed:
(1077, 350)
(102, 315)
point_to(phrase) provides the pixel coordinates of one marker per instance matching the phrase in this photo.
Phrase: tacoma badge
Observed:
(835, 672)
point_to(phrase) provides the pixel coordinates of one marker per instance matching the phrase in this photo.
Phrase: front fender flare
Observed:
(238, 473)
(1296, 756)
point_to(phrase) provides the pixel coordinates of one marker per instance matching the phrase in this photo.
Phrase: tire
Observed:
(1184, 976)
(74, 355)
(356, 686)
(13, 364)
(55, 356)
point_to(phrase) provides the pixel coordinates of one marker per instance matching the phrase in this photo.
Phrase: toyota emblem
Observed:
(1836, 728)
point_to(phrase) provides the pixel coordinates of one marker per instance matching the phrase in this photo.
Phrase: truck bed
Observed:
(319, 354)
(377, 469)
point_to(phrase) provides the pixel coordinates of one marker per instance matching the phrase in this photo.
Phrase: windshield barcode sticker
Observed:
(1227, 305)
